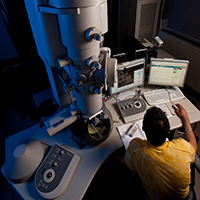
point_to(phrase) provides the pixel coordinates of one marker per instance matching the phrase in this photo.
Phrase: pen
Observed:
(128, 132)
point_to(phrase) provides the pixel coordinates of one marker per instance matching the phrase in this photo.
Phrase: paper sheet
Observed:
(136, 132)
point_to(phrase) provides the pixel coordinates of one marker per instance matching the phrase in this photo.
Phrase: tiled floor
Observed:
(112, 181)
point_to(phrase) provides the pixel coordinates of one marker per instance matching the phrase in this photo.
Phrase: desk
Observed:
(91, 157)
(175, 122)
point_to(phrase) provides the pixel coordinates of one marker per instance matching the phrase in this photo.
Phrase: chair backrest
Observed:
(191, 195)
(197, 162)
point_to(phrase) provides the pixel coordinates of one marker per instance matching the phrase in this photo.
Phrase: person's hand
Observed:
(189, 134)
(181, 112)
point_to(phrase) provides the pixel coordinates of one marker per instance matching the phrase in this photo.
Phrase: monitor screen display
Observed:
(129, 75)
(168, 72)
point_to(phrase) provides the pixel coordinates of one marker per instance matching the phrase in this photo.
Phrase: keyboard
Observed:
(159, 96)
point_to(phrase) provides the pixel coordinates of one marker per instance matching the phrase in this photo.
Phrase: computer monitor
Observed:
(168, 72)
(129, 75)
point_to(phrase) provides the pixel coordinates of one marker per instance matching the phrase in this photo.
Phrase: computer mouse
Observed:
(175, 107)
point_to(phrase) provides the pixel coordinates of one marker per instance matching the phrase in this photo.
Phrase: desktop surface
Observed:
(90, 156)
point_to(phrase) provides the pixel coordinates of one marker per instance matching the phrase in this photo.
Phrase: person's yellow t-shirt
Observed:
(164, 170)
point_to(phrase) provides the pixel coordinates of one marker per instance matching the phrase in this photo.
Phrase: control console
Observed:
(54, 174)
(132, 109)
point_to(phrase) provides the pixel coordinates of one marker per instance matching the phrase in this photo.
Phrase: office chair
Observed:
(197, 162)
(195, 165)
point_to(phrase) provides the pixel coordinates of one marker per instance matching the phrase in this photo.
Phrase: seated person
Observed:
(163, 166)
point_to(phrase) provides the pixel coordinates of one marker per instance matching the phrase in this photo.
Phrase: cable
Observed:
(169, 95)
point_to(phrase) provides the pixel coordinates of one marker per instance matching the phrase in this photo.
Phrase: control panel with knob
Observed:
(55, 172)
(132, 109)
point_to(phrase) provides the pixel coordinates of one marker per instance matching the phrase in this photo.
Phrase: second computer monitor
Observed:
(129, 75)
(168, 72)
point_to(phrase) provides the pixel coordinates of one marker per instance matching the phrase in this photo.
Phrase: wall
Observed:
(7, 49)
(182, 49)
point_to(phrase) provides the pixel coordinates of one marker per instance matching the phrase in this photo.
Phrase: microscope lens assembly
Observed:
(69, 35)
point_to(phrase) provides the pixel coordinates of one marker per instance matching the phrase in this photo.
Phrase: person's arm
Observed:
(189, 134)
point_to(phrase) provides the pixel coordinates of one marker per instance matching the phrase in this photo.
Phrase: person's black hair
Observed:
(156, 126)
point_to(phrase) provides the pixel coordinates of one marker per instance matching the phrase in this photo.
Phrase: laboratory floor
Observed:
(112, 181)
